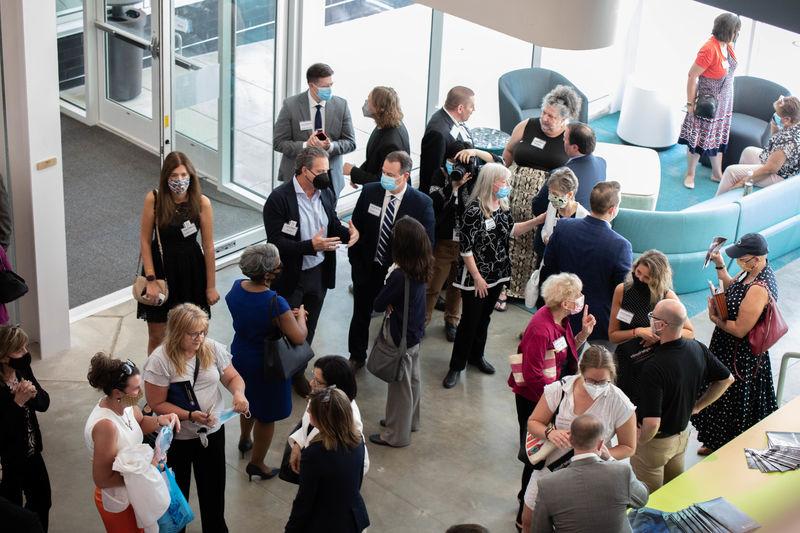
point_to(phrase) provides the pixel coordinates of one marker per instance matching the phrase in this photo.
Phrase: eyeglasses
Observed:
(318, 382)
(599, 382)
(650, 315)
(745, 261)
(197, 334)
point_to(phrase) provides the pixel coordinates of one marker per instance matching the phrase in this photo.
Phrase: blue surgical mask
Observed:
(448, 166)
(324, 93)
(227, 414)
(388, 182)
(503, 192)
(777, 118)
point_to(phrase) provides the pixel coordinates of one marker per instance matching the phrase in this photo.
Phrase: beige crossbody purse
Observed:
(139, 288)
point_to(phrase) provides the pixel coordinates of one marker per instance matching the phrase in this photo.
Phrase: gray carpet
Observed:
(105, 180)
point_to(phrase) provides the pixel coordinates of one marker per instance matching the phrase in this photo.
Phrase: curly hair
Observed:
(387, 107)
(565, 100)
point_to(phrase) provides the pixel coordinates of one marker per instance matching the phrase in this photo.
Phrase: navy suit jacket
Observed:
(414, 204)
(329, 497)
(281, 208)
(598, 255)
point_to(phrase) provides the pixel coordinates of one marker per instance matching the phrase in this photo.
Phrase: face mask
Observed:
(655, 331)
(639, 284)
(227, 414)
(448, 166)
(324, 93)
(503, 192)
(321, 181)
(16, 364)
(365, 110)
(777, 119)
(179, 186)
(129, 400)
(578, 305)
(559, 202)
(595, 391)
(388, 183)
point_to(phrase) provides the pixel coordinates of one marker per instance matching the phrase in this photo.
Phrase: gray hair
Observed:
(306, 158)
(483, 191)
(560, 288)
(563, 179)
(260, 260)
(565, 100)
(399, 156)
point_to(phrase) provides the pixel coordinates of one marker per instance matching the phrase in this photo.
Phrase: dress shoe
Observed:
(440, 304)
(450, 332)
(376, 439)
(254, 471)
(356, 364)
(300, 385)
(245, 446)
(451, 379)
(382, 422)
(484, 366)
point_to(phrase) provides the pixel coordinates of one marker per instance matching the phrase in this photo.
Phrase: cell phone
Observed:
(321, 135)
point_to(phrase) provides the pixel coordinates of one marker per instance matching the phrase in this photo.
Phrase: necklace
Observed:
(126, 420)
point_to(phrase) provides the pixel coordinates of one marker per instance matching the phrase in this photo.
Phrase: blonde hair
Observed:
(660, 274)
(387, 107)
(333, 417)
(12, 340)
(597, 356)
(483, 191)
(183, 319)
(559, 288)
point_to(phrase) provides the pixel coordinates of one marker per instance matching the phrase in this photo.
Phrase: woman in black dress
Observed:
(752, 396)
(24, 472)
(649, 282)
(535, 148)
(389, 135)
(180, 210)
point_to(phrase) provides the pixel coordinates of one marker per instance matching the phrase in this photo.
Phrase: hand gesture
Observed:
(313, 140)
(354, 234)
(169, 419)
(458, 184)
(202, 418)
(464, 155)
(212, 296)
(240, 403)
(324, 244)
(24, 392)
(560, 438)
(346, 168)
(325, 144)
(300, 313)
(588, 321)
(716, 258)
(648, 337)
(294, 458)
(481, 287)
(152, 290)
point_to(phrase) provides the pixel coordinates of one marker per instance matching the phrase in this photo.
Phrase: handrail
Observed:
(782, 373)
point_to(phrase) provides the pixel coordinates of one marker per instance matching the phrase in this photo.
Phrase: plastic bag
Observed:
(147, 490)
(163, 442)
(532, 289)
(179, 513)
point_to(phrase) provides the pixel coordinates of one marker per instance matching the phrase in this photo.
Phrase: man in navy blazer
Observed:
(377, 208)
(597, 254)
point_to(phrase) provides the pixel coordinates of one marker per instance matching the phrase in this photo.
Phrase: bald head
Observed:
(586, 434)
(672, 312)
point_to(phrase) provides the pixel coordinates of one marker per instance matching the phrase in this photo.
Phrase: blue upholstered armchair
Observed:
(521, 92)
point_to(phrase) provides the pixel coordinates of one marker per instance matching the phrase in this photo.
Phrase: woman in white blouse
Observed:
(328, 370)
(592, 391)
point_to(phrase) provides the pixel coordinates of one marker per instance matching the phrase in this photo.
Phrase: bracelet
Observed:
(190, 415)
(720, 268)
(547, 431)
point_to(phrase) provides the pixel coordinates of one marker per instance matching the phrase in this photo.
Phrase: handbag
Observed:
(385, 359)
(139, 288)
(12, 286)
(536, 450)
(705, 106)
(770, 327)
(282, 358)
(532, 287)
(179, 513)
(286, 473)
(181, 393)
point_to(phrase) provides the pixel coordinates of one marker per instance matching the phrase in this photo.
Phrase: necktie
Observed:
(385, 236)
(318, 118)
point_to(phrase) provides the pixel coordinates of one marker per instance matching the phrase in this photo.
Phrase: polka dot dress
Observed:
(752, 396)
(636, 300)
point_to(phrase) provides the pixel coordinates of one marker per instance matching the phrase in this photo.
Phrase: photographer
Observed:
(451, 188)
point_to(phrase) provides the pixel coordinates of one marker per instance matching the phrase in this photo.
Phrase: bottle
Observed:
(748, 187)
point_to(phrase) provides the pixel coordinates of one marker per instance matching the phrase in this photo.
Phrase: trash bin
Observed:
(125, 59)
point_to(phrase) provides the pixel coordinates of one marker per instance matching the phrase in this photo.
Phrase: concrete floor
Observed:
(461, 466)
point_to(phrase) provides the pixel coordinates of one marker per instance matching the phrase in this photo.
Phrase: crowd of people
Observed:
(610, 373)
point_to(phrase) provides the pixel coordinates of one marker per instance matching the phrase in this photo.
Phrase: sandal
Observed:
(688, 184)
(501, 303)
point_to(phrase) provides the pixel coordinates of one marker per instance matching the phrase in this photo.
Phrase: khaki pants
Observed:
(735, 175)
(446, 255)
(659, 461)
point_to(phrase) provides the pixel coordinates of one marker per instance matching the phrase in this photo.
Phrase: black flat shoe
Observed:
(451, 379)
(252, 470)
(484, 366)
(245, 446)
(440, 304)
(450, 332)
(376, 439)
(382, 422)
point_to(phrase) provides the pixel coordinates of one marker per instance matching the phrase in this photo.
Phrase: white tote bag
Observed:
(147, 490)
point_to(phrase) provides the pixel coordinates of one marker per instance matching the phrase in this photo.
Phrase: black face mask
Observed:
(17, 364)
(321, 180)
(639, 284)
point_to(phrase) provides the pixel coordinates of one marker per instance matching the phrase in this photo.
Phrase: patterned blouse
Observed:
(485, 239)
(788, 140)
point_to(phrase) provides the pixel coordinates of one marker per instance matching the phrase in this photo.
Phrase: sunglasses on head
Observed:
(128, 369)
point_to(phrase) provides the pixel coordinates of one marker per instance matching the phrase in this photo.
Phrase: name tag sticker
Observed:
(188, 229)
(490, 224)
(560, 344)
(538, 143)
(290, 229)
(725, 65)
(624, 316)
(306, 125)
(455, 234)
(454, 131)
(374, 210)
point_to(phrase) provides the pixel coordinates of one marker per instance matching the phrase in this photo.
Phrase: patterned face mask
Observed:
(179, 186)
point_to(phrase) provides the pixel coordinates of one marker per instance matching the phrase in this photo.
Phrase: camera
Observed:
(472, 167)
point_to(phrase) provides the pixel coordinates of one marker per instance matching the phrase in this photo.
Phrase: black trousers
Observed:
(309, 292)
(209, 476)
(27, 476)
(367, 283)
(524, 410)
(476, 313)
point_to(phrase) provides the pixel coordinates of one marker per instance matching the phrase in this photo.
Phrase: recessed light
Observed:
(796, 43)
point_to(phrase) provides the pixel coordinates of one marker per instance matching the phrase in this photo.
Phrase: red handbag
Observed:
(769, 329)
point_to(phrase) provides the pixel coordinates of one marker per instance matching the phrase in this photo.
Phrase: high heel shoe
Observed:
(253, 470)
(244, 447)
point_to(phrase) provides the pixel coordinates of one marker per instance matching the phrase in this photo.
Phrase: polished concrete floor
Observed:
(460, 467)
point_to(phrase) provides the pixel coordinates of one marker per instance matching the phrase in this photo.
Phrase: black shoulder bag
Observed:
(282, 359)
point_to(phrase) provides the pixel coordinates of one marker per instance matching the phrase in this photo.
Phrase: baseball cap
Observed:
(749, 244)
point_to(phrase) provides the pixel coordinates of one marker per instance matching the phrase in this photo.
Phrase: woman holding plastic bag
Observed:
(115, 426)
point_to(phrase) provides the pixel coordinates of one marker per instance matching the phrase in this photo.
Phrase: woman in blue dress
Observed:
(257, 312)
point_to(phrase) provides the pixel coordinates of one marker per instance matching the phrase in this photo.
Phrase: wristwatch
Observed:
(150, 277)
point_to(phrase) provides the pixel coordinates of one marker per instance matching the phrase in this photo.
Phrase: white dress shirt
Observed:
(312, 218)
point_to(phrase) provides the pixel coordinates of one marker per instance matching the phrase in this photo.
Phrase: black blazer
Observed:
(437, 143)
(381, 143)
(281, 208)
(13, 438)
(414, 204)
(329, 497)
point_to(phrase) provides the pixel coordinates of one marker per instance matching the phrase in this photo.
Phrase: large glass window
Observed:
(775, 56)
(71, 77)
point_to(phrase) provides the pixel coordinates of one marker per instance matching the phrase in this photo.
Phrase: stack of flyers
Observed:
(714, 516)
(782, 455)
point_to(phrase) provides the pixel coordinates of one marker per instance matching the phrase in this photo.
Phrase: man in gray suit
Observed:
(590, 494)
(315, 118)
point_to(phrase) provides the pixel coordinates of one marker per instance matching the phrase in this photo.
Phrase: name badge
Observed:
(290, 228)
(374, 210)
(490, 224)
(560, 344)
(188, 229)
(624, 316)
(454, 131)
(456, 234)
(306, 125)
(725, 64)
(537, 142)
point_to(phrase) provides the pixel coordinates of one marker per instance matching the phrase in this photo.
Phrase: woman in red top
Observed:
(549, 350)
(711, 74)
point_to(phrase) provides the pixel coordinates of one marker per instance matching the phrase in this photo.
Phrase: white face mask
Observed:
(595, 391)
(578, 305)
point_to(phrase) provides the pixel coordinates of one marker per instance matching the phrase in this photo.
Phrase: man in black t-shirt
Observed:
(669, 393)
